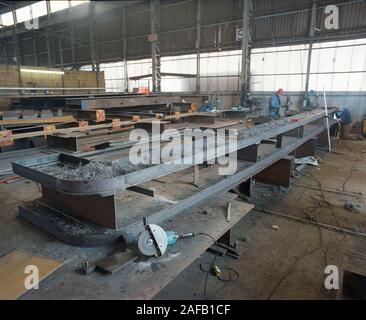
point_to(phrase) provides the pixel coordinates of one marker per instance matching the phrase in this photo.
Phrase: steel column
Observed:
(61, 61)
(155, 44)
(92, 36)
(124, 47)
(16, 49)
(34, 43)
(310, 51)
(47, 34)
(245, 51)
(72, 36)
(198, 47)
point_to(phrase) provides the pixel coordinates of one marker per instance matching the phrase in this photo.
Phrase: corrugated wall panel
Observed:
(270, 7)
(178, 16)
(138, 47)
(177, 41)
(220, 19)
(281, 27)
(214, 11)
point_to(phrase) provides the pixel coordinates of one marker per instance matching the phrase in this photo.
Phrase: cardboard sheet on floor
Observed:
(12, 272)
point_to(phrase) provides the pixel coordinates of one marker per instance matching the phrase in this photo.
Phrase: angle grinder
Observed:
(154, 240)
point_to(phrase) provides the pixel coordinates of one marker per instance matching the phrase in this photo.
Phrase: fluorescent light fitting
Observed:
(42, 71)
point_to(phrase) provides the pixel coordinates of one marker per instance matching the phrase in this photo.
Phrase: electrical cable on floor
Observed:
(213, 261)
(320, 203)
(212, 265)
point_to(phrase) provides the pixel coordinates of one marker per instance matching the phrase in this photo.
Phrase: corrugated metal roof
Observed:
(276, 21)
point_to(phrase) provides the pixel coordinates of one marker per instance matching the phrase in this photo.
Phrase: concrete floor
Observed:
(287, 263)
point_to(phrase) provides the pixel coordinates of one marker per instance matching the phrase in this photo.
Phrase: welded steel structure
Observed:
(97, 201)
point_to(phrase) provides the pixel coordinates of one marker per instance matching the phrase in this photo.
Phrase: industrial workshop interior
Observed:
(183, 150)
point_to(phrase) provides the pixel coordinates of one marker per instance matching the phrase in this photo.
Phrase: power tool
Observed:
(154, 240)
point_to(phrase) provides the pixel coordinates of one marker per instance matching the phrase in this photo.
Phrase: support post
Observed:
(305, 150)
(196, 175)
(245, 51)
(124, 48)
(16, 49)
(34, 44)
(72, 36)
(198, 47)
(61, 62)
(249, 153)
(277, 174)
(93, 56)
(310, 51)
(155, 44)
(47, 34)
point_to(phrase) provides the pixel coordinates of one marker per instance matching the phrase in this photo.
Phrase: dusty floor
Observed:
(289, 263)
(283, 263)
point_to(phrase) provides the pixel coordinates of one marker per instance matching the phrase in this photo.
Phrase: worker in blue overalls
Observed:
(206, 106)
(275, 103)
(344, 119)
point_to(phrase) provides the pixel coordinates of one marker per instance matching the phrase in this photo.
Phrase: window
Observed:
(58, 5)
(7, 19)
(114, 76)
(76, 3)
(39, 9)
(23, 14)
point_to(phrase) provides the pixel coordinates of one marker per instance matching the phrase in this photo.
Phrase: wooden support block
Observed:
(177, 115)
(116, 124)
(13, 272)
(83, 124)
(100, 115)
(49, 128)
(135, 118)
(194, 106)
(277, 174)
(6, 138)
(37, 120)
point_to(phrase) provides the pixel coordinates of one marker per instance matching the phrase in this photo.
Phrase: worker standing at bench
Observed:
(275, 103)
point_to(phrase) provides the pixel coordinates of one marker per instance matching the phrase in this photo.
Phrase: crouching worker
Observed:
(344, 119)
